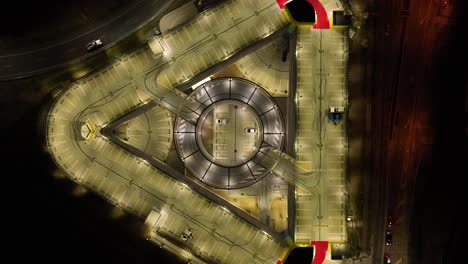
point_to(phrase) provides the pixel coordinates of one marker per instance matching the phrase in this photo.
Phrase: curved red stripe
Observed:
(321, 248)
(281, 3)
(322, 16)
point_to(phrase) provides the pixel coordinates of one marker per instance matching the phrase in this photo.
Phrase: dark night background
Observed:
(438, 223)
(43, 221)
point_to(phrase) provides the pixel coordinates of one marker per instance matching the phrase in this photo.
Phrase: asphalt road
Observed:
(33, 62)
(413, 43)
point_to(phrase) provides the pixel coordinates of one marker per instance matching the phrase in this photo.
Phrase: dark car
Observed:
(389, 221)
(284, 55)
(388, 238)
(387, 259)
(94, 45)
(203, 5)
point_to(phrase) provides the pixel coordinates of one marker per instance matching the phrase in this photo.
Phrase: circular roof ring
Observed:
(229, 133)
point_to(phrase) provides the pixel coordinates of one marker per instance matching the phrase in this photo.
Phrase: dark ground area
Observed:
(438, 223)
(28, 24)
(46, 222)
(301, 11)
(43, 221)
(420, 91)
(300, 255)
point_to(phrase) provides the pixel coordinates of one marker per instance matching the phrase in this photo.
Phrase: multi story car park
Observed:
(257, 163)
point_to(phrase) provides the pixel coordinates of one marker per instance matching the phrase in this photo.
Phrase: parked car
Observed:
(222, 121)
(388, 238)
(250, 130)
(187, 234)
(284, 55)
(94, 45)
(335, 114)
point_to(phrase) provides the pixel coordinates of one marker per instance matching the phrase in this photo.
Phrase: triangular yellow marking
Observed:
(144, 97)
(91, 129)
(304, 164)
(164, 81)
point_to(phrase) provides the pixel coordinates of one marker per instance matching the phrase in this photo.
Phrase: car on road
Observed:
(222, 121)
(157, 32)
(203, 5)
(387, 259)
(94, 45)
(389, 221)
(250, 130)
(388, 238)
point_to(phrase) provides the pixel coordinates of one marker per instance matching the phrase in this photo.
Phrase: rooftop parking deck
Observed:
(152, 75)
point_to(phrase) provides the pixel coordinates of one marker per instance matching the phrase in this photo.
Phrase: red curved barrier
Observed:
(321, 248)
(322, 16)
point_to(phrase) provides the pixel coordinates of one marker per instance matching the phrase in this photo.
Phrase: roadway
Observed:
(31, 62)
(408, 34)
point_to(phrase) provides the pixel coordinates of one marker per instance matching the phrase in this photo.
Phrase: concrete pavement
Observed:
(128, 181)
(151, 75)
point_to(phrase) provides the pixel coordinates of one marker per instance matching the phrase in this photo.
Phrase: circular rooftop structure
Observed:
(225, 130)
(229, 132)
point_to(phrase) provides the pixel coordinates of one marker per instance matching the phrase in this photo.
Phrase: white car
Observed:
(250, 130)
(187, 234)
(337, 109)
(94, 45)
(222, 121)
